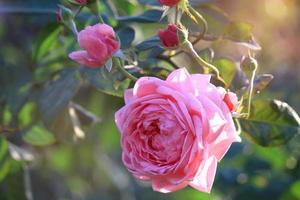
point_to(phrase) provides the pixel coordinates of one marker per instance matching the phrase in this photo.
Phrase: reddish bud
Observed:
(169, 36)
(228, 99)
(81, 2)
(169, 2)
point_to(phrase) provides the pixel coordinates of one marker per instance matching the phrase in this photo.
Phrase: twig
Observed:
(27, 182)
(188, 46)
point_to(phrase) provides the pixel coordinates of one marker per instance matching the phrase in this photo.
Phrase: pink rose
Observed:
(169, 36)
(174, 132)
(169, 2)
(99, 44)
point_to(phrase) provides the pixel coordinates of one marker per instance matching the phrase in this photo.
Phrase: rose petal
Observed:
(94, 46)
(204, 179)
(83, 58)
(162, 185)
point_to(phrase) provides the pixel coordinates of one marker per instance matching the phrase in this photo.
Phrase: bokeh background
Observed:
(91, 168)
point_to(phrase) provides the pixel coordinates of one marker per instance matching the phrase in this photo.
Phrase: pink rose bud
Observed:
(98, 43)
(169, 36)
(169, 2)
(82, 2)
(174, 132)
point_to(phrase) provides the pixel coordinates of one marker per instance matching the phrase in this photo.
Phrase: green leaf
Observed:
(271, 123)
(38, 135)
(4, 159)
(207, 54)
(261, 82)
(126, 36)
(57, 94)
(27, 114)
(227, 69)
(150, 16)
(46, 42)
(123, 5)
(148, 44)
(111, 83)
(241, 33)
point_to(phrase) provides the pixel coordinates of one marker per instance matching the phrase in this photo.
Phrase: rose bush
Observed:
(175, 131)
(99, 44)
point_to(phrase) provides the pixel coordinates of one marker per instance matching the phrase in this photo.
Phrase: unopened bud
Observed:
(248, 65)
(65, 14)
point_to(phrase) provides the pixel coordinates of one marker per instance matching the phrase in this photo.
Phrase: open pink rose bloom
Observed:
(99, 44)
(174, 132)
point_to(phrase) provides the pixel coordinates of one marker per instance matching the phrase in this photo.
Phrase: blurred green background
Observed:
(91, 168)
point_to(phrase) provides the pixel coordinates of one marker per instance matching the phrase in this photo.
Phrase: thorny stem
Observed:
(78, 11)
(250, 93)
(100, 19)
(200, 19)
(188, 46)
(176, 15)
(121, 68)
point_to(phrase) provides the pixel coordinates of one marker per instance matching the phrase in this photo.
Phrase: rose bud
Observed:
(81, 2)
(174, 132)
(98, 42)
(169, 2)
(169, 36)
(248, 65)
(230, 100)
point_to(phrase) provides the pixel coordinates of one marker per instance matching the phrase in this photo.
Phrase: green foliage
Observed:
(271, 123)
(126, 36)
(57, 94)
(38, 135)
(149, 16)
(4, 159)
(148, 44)
(39, 83)
(111, 83)
(227, 69)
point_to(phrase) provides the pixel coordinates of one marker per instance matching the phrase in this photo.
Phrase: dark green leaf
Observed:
(148, 44)
(150, 16)
(262, 81)
(38, 135)
(126, 36)
(105, 81)
(227, 69)
(57, 94)
(272, 123)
